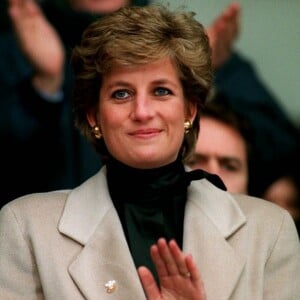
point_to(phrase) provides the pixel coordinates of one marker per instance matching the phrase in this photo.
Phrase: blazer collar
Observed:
(88, 203)
(86, 206)
(219, 206)
(90, 219)
(212, 216)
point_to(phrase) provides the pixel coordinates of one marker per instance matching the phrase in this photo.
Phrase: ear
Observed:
(191, 111)
(92, 117)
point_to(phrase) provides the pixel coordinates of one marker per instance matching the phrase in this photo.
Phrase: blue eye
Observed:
(162, 91)
(121, 94)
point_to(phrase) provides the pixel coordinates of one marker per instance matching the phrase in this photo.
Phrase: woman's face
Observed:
(141, 114)
(98, 6)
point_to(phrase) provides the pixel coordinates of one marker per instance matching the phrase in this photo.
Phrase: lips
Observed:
(146, 133)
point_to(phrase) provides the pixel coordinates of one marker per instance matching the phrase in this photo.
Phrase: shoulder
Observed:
(35, 208)
(48, 208)
(259, 216)
(257, 207)
(266, 218)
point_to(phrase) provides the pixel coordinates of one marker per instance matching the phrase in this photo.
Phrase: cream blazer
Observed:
(69, 245)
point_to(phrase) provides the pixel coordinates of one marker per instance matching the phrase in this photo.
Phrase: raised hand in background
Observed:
(40, 44)
(223, 32)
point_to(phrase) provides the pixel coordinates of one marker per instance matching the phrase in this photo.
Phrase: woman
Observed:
(141, 77)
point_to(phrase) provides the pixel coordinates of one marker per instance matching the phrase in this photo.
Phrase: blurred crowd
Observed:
(41, 150)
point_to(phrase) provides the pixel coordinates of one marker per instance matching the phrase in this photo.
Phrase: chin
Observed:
(148, 162)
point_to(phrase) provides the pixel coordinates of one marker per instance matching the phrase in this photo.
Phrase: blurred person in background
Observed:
(41, 149)
(224, 147)
(275, 136)
(36, 84)
(273, 168)
(285, 191)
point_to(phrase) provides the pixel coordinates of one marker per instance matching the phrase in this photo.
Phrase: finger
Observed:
(195, 276)
(179, 259)
(149, 285)
(232, 10)
(231, 16)
(158, 262)
(167, 257)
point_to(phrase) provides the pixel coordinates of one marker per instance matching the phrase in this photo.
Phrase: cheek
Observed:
(109, 118)
(175, 125)
(177, 129)
(176, 114)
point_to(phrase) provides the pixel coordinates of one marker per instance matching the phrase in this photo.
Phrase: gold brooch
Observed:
(110, 286)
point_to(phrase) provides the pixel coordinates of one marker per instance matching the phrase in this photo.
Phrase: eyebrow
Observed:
(164, 81)
(118, 83)
(155, 82)
(220, 158)
(230, 159)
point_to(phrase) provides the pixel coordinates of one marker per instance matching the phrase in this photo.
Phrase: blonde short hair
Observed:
(140, 35)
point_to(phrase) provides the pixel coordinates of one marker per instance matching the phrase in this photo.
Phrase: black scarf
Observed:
(151, 203)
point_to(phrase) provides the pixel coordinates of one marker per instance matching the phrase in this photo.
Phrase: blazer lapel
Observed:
(104, 266)
(209, 222)
(90, 219)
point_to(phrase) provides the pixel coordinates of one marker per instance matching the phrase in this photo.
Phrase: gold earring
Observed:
(96, 132)
(187, 126)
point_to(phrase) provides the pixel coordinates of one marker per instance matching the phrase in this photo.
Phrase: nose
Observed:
(142, 108)
(212, 166)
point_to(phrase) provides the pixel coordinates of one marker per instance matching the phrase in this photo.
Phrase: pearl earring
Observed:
(187, 126)
(96, 132)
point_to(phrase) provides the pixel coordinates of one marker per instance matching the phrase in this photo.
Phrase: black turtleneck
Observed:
(150, 204)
